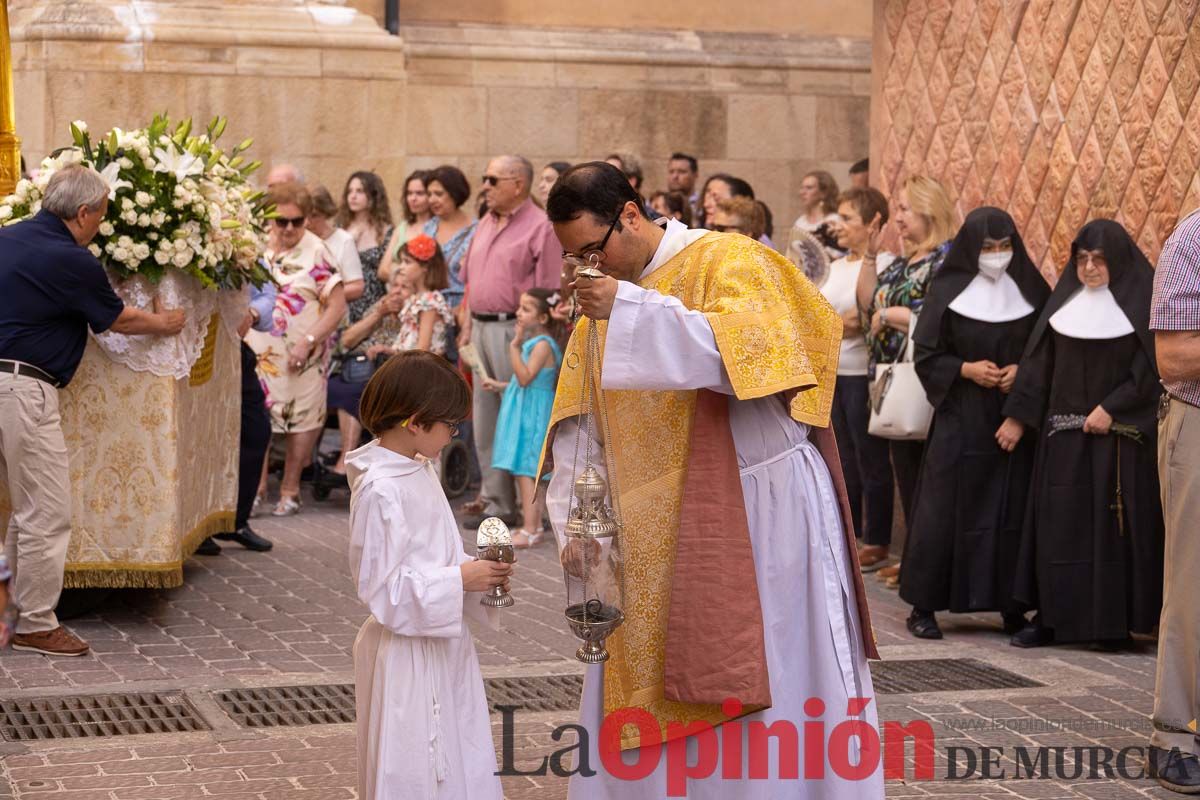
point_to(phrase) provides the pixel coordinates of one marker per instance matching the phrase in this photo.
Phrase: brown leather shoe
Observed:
(888, 572)
(872, 558)
(58, 642)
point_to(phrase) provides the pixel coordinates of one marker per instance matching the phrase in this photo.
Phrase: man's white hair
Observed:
(522, 166)
(74, 187)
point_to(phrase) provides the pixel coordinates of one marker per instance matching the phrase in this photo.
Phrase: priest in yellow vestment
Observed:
(741, 582)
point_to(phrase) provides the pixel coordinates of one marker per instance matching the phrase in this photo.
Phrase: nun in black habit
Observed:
(1091, 557)
(961, 551)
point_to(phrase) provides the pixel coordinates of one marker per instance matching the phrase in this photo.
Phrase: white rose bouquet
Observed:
(175, 200)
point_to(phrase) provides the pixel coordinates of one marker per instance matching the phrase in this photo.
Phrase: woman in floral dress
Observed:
(293, 356)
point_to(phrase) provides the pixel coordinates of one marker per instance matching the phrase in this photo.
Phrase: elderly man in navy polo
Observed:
(53, 290)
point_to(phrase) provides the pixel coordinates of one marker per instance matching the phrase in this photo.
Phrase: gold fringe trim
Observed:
(139, 575)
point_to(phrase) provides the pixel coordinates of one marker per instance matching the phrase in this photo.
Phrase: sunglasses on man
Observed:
(283, 223)
(492, 180)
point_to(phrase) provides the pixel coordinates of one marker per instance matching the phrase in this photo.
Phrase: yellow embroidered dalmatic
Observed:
(775, 333)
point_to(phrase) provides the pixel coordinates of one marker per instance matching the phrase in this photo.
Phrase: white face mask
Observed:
(993, 265)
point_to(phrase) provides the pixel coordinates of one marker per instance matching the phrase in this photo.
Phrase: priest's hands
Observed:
(1009, 434)
(984, 373)
(1008, 376)
(595, 296)
(572, 556)
(479, 575)
(1099, 421)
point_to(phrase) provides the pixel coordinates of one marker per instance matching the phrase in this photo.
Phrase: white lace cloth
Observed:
(171, 356)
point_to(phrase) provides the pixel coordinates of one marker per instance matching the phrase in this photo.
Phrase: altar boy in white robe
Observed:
(740, 575)
(423, 729)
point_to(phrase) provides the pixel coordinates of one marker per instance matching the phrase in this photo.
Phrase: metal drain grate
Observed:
(943, 675)
(97, 715)
(535, 693)
(273, 706)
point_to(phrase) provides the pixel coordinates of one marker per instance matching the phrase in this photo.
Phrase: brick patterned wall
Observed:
(1059, 111)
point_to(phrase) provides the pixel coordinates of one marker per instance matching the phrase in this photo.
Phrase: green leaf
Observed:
(251, 167)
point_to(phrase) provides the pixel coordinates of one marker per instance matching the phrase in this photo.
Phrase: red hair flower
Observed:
(421, 247)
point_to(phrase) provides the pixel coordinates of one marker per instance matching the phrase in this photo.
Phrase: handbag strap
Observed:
(912, 327)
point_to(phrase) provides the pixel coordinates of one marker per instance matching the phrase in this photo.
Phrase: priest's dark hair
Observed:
(415, 386)
(595, 188)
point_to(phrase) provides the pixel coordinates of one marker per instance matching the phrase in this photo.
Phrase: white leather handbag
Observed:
(899, 408)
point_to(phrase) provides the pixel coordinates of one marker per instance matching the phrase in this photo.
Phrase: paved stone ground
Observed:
(289, 617)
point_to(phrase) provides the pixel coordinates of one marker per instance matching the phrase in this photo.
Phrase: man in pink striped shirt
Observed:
(514, 250)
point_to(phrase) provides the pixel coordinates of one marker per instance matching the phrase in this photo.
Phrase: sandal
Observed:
(528, 539)
(256, 506)
(286, 507)
(476, 506)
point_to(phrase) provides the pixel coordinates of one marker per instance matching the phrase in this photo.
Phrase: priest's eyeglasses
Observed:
(592, 255)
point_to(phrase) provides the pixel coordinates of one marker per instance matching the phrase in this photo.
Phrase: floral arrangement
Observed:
(176, 200)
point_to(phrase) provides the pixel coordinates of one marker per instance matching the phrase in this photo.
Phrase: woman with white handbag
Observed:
(889, 300)
(971, 497)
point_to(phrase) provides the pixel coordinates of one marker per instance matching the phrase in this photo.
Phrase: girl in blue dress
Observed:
(525, 408)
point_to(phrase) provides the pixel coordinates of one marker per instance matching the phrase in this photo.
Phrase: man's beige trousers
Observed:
(33, 462)
(1177, 684)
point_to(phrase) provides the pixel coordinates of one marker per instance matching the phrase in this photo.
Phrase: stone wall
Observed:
(1059, 111)
(325, 87)
(780, 17)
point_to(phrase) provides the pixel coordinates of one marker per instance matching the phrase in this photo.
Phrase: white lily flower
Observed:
(179, 164)
(111, 173)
